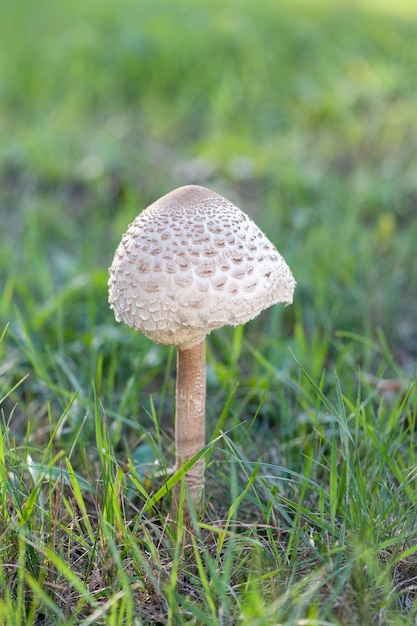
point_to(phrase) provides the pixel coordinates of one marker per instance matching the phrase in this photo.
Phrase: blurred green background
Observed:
(303, 113)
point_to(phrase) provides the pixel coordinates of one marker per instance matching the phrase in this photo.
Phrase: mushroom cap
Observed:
(193, 262)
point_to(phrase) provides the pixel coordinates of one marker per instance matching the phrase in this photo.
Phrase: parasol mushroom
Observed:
(188, 264)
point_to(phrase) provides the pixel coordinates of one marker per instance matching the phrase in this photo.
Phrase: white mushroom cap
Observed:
(193, 262)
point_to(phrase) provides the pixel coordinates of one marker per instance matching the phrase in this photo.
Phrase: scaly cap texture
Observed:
(192, 262)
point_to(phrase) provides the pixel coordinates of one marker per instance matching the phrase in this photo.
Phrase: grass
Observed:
(304, 114)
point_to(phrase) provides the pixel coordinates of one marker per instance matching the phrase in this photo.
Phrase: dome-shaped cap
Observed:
(193, 262)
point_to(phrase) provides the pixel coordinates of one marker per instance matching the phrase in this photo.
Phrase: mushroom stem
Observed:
(190, 415)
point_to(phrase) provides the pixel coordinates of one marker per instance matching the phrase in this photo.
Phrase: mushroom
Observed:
(190, 263)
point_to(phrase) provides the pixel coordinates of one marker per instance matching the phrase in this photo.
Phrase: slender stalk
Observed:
(190, 415)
